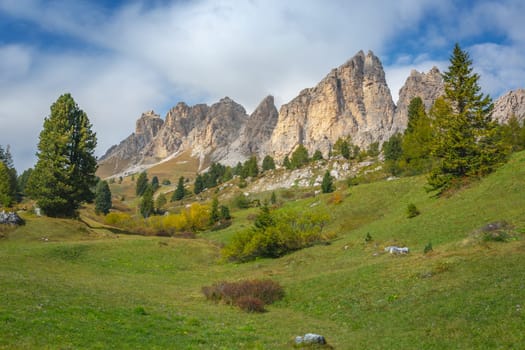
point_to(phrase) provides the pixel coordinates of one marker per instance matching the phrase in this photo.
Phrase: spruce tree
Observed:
(268, 163)
(64, 174)
(8, 178)
(299, 157)
(467, 142)
(198, 187)
(418, 138)
(102, 198)
(6, 198)
(178, 194)
(214, 212)
(146, 206)
(160, 202)
(327, 186)
(155, 184)
(142, 184)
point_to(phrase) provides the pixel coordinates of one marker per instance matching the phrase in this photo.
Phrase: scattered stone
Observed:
(310, 338)
(397, 250)
(10, 218)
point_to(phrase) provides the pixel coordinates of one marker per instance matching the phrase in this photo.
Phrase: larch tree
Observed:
(64, 174)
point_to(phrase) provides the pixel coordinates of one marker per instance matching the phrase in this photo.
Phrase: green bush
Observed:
(428, 248)
(275, 234)
(412, 211)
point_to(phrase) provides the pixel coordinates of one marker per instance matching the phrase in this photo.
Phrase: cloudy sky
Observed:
(120, 58)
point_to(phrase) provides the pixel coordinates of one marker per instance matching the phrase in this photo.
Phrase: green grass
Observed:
(66, 285)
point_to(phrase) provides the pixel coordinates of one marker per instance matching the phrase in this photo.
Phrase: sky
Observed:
(121, 58)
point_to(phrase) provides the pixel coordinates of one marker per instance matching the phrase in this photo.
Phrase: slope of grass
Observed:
(68, 285)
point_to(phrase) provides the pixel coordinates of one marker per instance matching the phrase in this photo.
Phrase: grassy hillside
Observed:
(67, 285)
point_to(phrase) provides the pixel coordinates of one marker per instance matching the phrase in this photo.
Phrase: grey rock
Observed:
(310, 338)
(10, 218)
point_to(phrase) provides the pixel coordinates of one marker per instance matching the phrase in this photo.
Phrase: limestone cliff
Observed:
(428, 86)
(511, 103)
(132, 149)
(352, 100)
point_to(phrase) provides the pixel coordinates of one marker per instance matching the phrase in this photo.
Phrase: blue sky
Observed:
(120, 58)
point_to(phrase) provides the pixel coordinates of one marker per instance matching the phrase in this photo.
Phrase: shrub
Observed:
(241, 201)
(428, 248)
(282, 232)
(250, 304)
(368, 237)
(249, 295)
(336, 198)
(412, 211)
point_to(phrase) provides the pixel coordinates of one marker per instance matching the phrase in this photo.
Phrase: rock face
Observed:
(428, 86)
(512, 103)
(133, 148)
(352, 100)
(220, 132)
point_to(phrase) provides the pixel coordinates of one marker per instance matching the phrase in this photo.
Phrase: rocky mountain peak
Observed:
(428, 86)
(511, 103)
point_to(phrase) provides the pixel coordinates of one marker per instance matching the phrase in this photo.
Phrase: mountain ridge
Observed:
(351, 100)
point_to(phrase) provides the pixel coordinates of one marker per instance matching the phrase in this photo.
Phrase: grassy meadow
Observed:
(65, 284)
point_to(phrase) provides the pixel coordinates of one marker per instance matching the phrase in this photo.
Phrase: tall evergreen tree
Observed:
(418, 138)
(268, 163)
(6, 198)
(198, 187)
(8, 177)
(102, 198)
(467, 143)
(299, 157)
(178, 194)
(146, 206)
(214, 212)
(142, 184)
(155, 183)
(64, 174)
(23, 179)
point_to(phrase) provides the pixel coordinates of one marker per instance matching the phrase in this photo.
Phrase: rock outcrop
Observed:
(132, 149)
(352, 100)
(512, 103)
(428, 86)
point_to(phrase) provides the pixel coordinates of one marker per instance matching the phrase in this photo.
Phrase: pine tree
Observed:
(250, 168)
(142, 184)
(9, 178)
(65, 171)
(467, 142)
(225, 213)
(6, 198)
(214, 212)
(155, 184)
(268, 163)
(327, 186)
(418, 138)
(160, 202)
(102, 198)
(299, 157)
(178, 194)
(23, 179)
(198, 187)
(146, 206)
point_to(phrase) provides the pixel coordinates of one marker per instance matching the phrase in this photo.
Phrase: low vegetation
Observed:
(249, 295)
